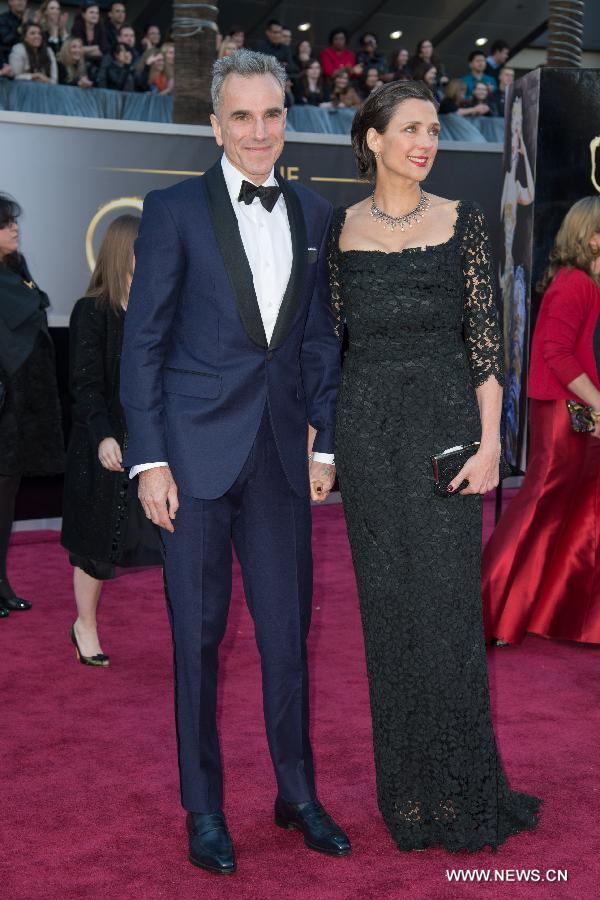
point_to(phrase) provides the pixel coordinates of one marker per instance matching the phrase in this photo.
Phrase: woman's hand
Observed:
(110, 456)
(482, 471)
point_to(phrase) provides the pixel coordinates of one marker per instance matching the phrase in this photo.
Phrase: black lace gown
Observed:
(423, 334)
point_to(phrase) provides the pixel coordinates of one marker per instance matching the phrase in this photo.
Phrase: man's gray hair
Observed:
(245, 63)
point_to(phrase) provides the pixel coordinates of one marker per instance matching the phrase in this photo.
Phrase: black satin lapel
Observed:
(234, 256)
(293, 291)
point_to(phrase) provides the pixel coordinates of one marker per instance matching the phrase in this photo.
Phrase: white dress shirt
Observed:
(267, 242)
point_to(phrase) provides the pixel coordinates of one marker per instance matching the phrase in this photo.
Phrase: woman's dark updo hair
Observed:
(10, 212)
(376, 113)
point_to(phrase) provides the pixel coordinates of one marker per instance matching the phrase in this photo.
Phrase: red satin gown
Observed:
(541, 567)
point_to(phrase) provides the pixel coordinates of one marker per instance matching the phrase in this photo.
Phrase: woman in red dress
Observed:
(541, 567)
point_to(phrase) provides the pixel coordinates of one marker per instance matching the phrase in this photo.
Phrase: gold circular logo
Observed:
(136, 203)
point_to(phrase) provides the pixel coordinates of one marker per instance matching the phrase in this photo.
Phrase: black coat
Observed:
(10, 31)
(114, 77)
(95, 499)
(31, 440)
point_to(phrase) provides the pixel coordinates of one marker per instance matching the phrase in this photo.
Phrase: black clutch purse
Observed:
(448, 463)
(582, 417)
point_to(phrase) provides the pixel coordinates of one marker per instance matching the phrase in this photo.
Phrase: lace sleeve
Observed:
(337, 223)
(480, 322)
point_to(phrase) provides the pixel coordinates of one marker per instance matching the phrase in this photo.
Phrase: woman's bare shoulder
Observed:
(442, 203)
(357, 209)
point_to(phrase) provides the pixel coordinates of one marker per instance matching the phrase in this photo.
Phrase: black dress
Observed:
(104, 526)
(423, 333)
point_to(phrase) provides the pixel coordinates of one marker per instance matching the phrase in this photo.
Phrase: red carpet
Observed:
(90, 803)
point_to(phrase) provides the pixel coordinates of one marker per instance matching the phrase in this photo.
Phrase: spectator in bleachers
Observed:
(236, 33)
(343, 94)
(369, 55)
(425, 55)
(118, 73)
(310, 87)
(477, 64)
(152, 38)
(72, 68)
(286, 36)
(398, 69)
(53, 22)
(32, 60)
(303, 55)
(5, 69)
(117, 15)
(499, 53)
(127, 37)
(369, 82)
(89, 28)
(288, 99)
(481, 99)
(429, 75)
(228, 46)
(454, 100)
(337, 55)
(10, 25)
(274, 46)
(497, 100)
(168, 51)
(151, 73)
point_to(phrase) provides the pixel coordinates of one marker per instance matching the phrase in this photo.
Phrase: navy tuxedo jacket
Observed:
(197, 369)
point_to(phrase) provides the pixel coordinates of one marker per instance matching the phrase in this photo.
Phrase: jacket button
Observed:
(269, 355)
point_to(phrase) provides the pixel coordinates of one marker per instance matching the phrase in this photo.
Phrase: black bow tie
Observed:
(268, 196)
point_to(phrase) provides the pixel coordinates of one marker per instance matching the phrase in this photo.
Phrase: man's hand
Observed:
(158, 495)
(321, 477)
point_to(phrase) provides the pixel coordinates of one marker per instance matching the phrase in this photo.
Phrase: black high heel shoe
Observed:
(3, 612)
(100, 659)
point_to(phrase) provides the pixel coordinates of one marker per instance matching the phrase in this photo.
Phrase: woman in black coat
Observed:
(31, 440)
(104, 527)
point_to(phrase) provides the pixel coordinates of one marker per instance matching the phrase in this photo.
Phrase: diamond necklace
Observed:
(401, 222)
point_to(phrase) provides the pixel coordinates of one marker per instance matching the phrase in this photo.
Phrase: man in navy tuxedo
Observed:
(229, 352)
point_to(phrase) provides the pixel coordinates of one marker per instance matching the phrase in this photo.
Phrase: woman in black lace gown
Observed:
(423, 373)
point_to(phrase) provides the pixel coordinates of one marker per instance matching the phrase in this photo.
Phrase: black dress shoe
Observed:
(211, 847)
(320, 831)
(13, 604)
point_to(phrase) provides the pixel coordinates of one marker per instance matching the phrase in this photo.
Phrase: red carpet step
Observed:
(90, 804)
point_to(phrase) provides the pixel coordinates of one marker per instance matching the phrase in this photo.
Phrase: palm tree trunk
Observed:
(565, 32)
(194, 35)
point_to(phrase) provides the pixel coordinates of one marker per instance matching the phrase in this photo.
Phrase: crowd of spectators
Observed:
(92, 52)
(341, 77)
(107, 53)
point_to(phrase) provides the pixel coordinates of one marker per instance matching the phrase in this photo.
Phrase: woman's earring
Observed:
(377, 154)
